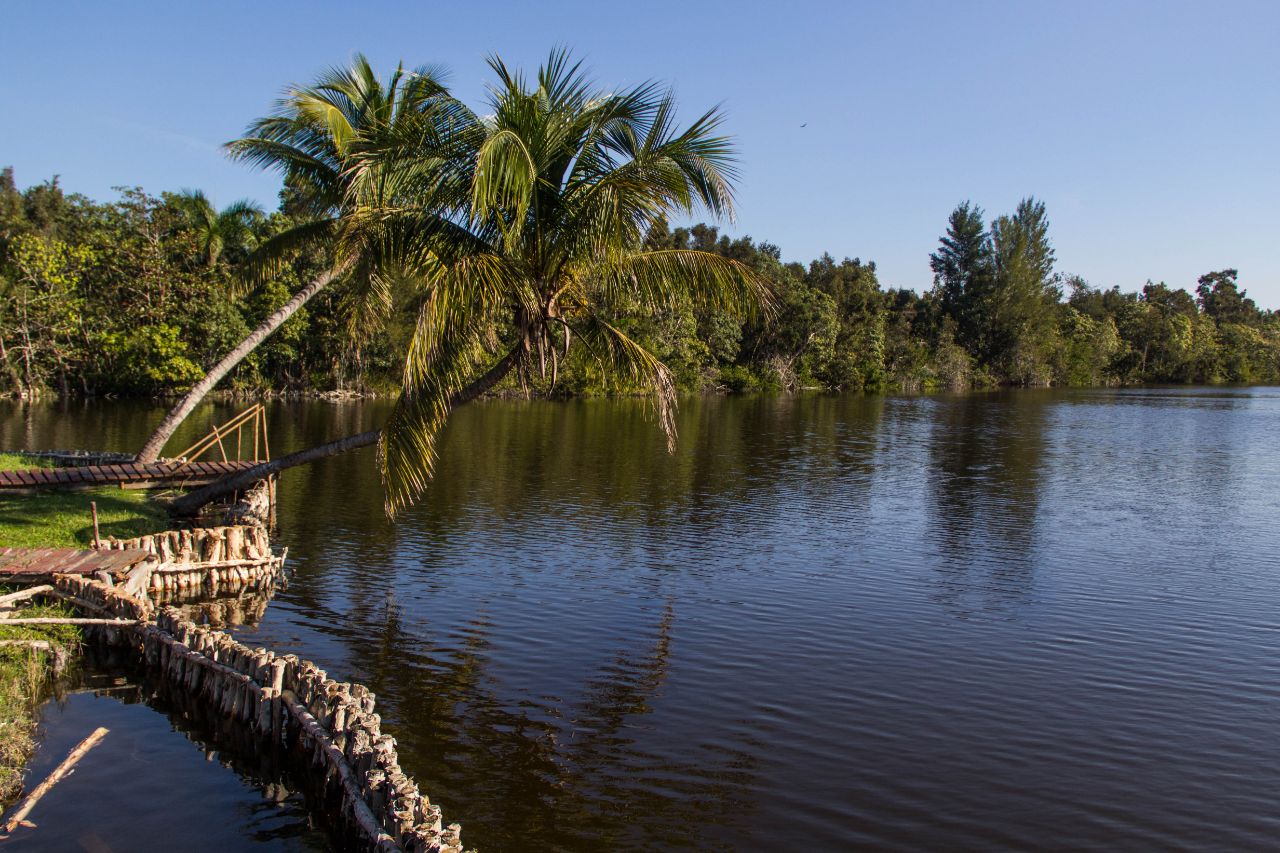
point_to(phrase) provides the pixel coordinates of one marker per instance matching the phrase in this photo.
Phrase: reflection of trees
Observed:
(528, 491)
(986, 455)
(543, 773)
(527, 486)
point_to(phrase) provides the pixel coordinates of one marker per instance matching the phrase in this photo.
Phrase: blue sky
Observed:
(1150, 129)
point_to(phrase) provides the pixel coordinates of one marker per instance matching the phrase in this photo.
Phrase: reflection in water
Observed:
(143, 788)
(224, 612)
(996, 621)
(986, 453)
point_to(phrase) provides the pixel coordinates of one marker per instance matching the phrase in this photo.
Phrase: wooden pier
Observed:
(21, 564)
(126, 474)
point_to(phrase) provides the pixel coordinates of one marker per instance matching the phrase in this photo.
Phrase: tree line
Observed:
(139, 296)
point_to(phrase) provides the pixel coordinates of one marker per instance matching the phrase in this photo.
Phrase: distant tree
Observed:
(963, 269)
(1020, 307)
(1221, 298)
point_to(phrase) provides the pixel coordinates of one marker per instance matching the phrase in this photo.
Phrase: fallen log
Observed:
(24, 808)
(23, 594)
(76, 600)
(170, 568)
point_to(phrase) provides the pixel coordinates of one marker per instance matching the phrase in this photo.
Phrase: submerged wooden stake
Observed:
(29, 803)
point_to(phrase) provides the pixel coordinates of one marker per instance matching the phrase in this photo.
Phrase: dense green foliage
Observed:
(138, 296)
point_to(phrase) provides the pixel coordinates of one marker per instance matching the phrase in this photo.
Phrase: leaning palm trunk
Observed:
(151, 450)
(192, 502)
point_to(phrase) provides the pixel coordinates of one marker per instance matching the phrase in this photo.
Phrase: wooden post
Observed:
(97, 539)
(266, 445)
(218, 436)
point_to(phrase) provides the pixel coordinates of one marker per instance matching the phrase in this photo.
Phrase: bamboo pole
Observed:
(266, 445)
(19, 815)
(97, 538)
(176, 568)
(208, 440)
(31, 592)
(360, 811)
(78, 602)
(221, 449)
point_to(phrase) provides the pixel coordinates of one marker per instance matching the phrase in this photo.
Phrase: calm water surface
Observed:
(1011, 620)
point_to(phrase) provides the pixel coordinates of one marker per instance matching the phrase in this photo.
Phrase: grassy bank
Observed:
(61, 519)
(24, 676)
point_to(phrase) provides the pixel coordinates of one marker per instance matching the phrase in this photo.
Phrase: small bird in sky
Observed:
(806, 124)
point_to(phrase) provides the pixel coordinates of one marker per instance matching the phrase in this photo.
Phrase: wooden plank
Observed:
(36, 561)
(122, 473)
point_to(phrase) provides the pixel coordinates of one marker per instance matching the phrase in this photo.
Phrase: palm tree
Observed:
(564, 183)
(310, 139)
(232, 228)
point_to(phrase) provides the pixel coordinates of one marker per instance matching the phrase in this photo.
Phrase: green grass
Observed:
(24, 674)
(15, 462)
(62, 519)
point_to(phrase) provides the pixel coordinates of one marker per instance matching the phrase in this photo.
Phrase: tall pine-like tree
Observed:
(1020, 313)
(962, 275)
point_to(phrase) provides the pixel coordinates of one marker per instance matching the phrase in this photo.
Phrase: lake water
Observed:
(1000, 621)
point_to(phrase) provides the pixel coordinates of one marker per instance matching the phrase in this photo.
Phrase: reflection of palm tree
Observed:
(542, 774)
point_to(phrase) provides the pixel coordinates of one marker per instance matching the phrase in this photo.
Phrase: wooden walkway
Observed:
(42, 562)
(125, 473)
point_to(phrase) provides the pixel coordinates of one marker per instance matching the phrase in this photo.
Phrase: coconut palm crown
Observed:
(311, 139)
(563, 184)
(218, 231)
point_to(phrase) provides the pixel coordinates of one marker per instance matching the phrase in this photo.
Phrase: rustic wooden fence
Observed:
(286, 701)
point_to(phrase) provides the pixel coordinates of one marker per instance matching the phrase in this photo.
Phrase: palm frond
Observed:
(621, 356)
(665, 279)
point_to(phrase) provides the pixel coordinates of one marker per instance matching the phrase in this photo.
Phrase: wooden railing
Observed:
(252, 420)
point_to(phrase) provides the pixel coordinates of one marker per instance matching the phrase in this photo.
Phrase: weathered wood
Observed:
(139, 579)
(76, 600)
(29, 592)
(360, 810)
(29, 802)
(292, 701)
(46, 561)
(128, 472)
(182, 568)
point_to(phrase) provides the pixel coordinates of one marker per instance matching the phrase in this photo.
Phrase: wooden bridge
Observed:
(44, 562)
(249, 430)
(175, 472)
